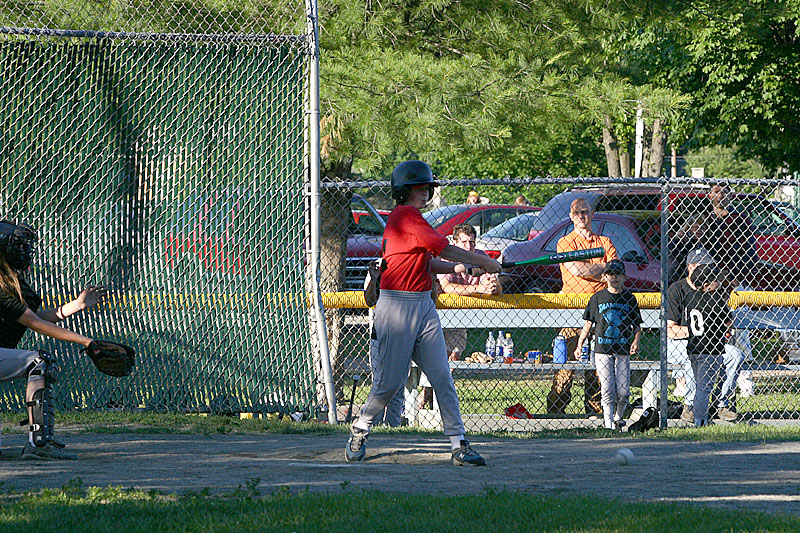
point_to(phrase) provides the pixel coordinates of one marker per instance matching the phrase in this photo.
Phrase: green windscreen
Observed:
(171, 172)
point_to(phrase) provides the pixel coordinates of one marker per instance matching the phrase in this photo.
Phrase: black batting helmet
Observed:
(408, 174)
(17, 244)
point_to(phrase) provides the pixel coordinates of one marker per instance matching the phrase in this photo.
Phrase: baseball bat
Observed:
(560, 257)
(349, 416)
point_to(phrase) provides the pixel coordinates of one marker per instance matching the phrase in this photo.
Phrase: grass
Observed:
(73, 507)
(160, 423)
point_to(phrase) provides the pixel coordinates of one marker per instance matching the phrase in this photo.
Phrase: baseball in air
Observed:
(624, 456)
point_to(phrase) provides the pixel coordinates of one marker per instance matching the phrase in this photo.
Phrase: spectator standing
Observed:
(521, 200)
(580, 277)
(730, 238)
(615, 314)
(703, 318)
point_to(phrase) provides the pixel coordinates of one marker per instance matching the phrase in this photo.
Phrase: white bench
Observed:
(651, 381)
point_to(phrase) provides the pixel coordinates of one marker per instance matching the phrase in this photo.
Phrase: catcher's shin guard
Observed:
(42, 404)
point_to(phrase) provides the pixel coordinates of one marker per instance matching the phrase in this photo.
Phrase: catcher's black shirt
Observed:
(11, 309)
(705, 313)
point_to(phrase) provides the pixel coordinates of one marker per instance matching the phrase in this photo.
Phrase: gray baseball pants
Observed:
(614, 374)
(407, 328)
(15, 363)
(706, 368)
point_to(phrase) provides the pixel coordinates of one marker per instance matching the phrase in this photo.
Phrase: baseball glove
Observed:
(111, 358)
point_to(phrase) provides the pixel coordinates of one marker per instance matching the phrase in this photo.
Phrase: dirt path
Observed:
(758, 476)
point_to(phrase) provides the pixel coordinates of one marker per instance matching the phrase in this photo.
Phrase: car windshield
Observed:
(515, 229)
(436, 217)
(792, 211)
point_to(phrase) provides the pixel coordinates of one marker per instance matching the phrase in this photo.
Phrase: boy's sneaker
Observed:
(46, 452)
(687, 415)
(723, 413)
(466, 456)
(356, 445)
(618, 425)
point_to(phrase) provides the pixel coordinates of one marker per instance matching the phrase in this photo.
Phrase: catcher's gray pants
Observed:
(706, 367)
(407, 328)
(15, 363)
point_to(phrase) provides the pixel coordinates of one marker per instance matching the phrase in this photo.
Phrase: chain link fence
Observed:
(753, 237)
(160, 150)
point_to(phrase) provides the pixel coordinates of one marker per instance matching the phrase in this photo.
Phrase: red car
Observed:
(636, 236)
(482, 217)
(777, 234)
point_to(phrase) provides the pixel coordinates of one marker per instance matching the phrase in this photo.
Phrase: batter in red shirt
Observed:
(406, 325)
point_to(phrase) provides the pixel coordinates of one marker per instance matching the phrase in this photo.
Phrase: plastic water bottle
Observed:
(498, 352)
(490, 346)
(509, 348)
(585, 353)
(560, 350)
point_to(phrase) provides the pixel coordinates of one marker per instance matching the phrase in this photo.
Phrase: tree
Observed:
(746, 61)
(436, 77)
(723, 162)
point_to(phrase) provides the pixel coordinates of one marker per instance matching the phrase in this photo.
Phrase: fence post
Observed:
(314, 163)
(664, 408)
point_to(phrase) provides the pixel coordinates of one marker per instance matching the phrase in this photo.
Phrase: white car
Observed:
(513, 230)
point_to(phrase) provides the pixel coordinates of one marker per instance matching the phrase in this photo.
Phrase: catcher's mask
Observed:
(17, 244)
(410, 174)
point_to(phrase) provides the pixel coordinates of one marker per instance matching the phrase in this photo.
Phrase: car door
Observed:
(777, 240)
(642, 269)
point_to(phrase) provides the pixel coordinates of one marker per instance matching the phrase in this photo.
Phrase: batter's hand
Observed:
(493, 267)
(91, 296)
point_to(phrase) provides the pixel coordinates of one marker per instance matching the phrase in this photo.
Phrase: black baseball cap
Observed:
(615, 266)
(699, 256)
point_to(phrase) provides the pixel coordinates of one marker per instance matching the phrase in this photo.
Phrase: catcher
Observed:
(20, 310)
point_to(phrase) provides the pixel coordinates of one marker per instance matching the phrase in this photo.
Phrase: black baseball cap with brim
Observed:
(615, 266)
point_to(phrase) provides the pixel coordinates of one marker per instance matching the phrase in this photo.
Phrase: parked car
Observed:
(777, 234)
(790, 209)
(482, 217)
(513, 230)
(637, 237)
(364, 237)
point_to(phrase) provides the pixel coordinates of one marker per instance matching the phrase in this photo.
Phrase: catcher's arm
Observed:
(31, 320)
(89, 297)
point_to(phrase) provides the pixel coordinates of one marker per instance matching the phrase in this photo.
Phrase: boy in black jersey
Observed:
(702, 316)
(617, 319)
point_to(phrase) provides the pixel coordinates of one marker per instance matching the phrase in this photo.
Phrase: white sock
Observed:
(360, 425)
(455, 441)
(30, 438)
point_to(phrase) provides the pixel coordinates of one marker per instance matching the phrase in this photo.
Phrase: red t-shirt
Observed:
(409, 244)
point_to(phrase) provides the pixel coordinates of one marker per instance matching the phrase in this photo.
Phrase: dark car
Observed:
(635, 235)
(482, 217)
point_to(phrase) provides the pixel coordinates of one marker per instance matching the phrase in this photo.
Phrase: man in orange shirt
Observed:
(579, 277)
